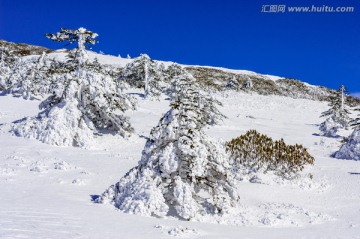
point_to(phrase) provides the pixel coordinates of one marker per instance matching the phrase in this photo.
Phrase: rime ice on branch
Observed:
(84, 38)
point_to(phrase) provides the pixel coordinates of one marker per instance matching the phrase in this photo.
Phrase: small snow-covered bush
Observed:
(258, 152)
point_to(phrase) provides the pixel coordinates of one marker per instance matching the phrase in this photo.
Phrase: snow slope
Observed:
(47, 191)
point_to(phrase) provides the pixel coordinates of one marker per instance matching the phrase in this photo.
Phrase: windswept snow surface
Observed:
(47, 191)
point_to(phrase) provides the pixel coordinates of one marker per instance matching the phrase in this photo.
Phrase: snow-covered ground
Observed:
(47, 191)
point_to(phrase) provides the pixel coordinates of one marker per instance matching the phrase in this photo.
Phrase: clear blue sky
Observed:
(319, 48)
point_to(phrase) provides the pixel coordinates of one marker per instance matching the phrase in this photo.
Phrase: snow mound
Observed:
(178, 231)
(79, 182)
(283, 214)
(5, 171)
(272, 214)
(38, 167)
(16, 164)
(63, 166)
(350, 149)
(301, 181)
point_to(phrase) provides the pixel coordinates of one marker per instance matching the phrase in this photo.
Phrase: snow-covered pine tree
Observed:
(182, 171)
(164, 82)
(248, 85)
(338, 116)
(2, 56)
(351, 148)
(83, 37)
(28, 78)
(170, 75)
(7, 56)
(356, 122)
(143, 73)
(82, 103)
(4, 70)
(233, 84)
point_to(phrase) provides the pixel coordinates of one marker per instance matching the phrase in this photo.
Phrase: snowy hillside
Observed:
(47, 191)
(50, 191)
(213, 78)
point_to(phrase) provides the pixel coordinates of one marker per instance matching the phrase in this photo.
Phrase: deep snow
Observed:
(47, 191)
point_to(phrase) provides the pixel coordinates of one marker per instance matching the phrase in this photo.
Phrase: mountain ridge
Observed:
(210, 77)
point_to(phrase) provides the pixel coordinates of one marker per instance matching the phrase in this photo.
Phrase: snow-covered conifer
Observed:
(83, 37)
(174, 70)
(232, 84)
(79, 107)
(338, 112)
(329, 127)
(143, 73)
(84, 101)
(248, 85)
(170, 75)
(182, 171)
(4, 70)
(28, 78)
(351, 148)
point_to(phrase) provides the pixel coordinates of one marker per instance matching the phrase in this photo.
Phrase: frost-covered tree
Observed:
(170, 74)
(83, 37)
(351, 147)
(84, 101)
(329, 127)
(248, 85)
(4, 70)
(143, 73)
(2, 56)
(76, 110)
(164, 81)
(356, 122)
(233, 84)
(338, 116)
(182, 171)
(207, 105)
(28, 78)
